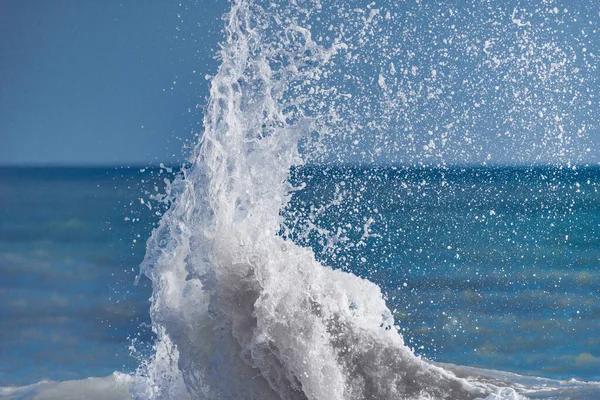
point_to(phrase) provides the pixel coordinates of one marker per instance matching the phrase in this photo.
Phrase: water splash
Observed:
(240, 312)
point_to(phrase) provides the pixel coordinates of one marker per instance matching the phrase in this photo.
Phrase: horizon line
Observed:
(178, 165)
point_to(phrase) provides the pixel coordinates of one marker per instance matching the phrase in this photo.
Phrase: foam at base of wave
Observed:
(119, 386)
(113, 387)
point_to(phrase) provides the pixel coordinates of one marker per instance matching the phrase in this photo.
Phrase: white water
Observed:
(116, 386)
(120, 386)
(241, 313)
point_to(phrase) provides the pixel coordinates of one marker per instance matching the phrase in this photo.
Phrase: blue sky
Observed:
(116, 82)
(92, 82)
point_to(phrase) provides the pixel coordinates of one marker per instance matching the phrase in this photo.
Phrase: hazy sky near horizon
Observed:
(102, 82)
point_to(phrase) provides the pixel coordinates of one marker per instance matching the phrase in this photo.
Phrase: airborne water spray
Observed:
(241, 312)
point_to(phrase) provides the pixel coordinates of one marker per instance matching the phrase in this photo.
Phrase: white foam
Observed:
(239, 311)
(119, 386)
(115, 386)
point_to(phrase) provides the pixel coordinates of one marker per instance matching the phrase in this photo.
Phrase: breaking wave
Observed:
(242, 312)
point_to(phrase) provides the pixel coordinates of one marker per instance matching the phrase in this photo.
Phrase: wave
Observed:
(115, 386)
(239, 311)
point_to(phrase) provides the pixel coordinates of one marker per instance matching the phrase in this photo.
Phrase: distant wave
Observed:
(115, 386)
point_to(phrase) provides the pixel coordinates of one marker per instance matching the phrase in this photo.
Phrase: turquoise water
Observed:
(496, 268)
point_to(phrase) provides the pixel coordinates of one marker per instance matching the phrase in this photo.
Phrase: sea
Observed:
(393, 200)
(71, 243)
(496, 268)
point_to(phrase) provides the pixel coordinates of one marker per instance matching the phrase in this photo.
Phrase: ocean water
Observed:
(68, 262)
(326, 238)
(490, 267)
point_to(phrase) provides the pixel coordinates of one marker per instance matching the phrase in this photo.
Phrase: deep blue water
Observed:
(495, 267)
(490, 267)
(67, 266)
